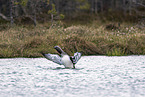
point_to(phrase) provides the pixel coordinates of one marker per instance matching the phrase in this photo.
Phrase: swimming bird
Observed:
(64, 58)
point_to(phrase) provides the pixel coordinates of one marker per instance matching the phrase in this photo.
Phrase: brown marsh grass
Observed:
(90, 39)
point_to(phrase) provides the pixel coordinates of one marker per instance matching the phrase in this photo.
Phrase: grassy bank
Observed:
(95, 38)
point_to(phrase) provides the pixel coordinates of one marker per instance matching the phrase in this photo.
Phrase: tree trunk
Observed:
(57, 6)
(124, 7)
(101, 6)
(112, 5)
(11, 12)
(51, 20)
(130, 9)
(92, 6)
(96, 6)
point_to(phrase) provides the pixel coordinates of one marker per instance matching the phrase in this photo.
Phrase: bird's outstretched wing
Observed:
(53, 57)
(76, 57)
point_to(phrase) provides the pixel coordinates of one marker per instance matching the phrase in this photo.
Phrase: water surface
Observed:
(94, 76)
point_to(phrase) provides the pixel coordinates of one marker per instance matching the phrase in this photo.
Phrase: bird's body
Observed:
(65, 59)
(67, 62)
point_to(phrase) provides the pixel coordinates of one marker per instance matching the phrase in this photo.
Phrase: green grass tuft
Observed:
(116, 52)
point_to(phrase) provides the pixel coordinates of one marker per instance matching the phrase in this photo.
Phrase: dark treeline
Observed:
(34, 10)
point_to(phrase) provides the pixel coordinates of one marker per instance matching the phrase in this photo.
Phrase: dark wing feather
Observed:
(76, 57)
(53, 57)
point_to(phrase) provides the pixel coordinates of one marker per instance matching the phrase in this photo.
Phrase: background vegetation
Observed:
(93, 27)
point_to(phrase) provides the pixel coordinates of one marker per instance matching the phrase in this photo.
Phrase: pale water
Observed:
(94, 76)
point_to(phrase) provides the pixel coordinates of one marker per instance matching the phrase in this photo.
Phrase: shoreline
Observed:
(82, 56)
(90, 39)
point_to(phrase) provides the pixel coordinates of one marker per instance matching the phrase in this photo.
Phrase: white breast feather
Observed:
(66, 61)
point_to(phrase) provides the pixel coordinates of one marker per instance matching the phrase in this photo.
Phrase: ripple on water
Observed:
(94, 76)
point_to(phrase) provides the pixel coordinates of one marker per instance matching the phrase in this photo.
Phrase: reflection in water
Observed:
(94, 76)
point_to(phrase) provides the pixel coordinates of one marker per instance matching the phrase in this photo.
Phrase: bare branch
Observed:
(4, 17)
(28, 16)
(140, 4)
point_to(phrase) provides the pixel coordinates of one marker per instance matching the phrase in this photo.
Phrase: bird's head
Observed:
(59, 50)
